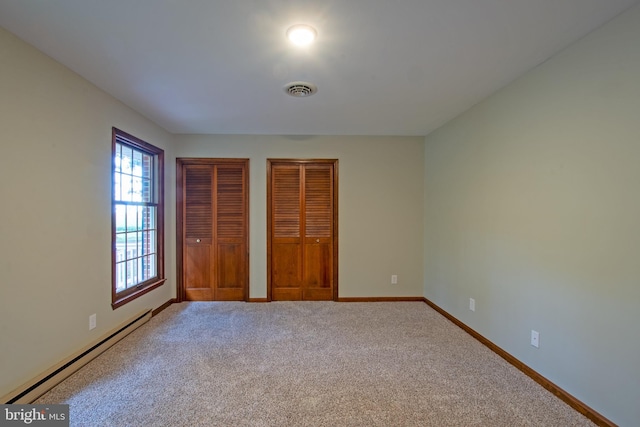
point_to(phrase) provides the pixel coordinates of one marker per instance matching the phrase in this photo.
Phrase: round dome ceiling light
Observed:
(301, 35)
(300, 89)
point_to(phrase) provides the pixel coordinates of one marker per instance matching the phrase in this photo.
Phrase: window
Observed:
(137, 218)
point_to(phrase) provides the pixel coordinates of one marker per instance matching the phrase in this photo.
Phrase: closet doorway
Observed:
(212, 229)
(302, 230)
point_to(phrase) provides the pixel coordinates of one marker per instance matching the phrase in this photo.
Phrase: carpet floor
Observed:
(304, 364)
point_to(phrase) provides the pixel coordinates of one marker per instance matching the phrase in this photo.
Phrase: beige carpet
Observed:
(305, 364)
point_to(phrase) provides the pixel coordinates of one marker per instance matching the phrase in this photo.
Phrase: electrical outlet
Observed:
(394, 279)
(92, 321)
(472, 304)
(535, 339)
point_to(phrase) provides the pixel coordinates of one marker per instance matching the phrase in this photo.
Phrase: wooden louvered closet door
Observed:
(215, 256)
(303, 229)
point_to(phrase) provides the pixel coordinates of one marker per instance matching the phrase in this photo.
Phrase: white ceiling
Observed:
(382, 67)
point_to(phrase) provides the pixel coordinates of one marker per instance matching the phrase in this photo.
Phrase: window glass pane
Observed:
(132, 245)
(136, 190)
(132, 218)
(146, 243)
(139, 244)
(145, 268)
(147, 166)
(132, 273)
(121, 247)
(127, 158)
(117, 157)
(152, 242)
(121, 282)
(146, 190)
(153, 265)
(137, 163)
(121, 218)
(116, 186)
(124, 188)
(140, 215)
(150, 267)
(144, 216)
(140, 278)
(150, 217)
(127, 187)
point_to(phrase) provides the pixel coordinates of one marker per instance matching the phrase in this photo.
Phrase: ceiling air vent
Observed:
(300, 89)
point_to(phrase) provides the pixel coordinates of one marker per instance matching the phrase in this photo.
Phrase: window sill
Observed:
(120, 301)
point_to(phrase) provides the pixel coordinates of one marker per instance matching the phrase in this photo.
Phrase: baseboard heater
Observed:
(31, 390)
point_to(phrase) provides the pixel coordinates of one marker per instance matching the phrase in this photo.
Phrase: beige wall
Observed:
(380, 204)
(55, 221)
(532, 207)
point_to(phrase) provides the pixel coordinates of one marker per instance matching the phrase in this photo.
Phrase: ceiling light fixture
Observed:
(301, 35)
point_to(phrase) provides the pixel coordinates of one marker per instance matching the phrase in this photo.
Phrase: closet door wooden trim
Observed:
(296, 238)
(229, 246)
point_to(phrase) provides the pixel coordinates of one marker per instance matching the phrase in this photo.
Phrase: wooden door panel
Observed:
(198, 281)
(286, 294)
(198, 257)
(230, 232)
(318, 226)
(317, 294)
(231, 274)
(204, 294)
(317, 266)
(286, 270)
(198, 272)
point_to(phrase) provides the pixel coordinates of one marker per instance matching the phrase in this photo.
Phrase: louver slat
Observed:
(230, 202)
(286, 202)
(198, 218)
(318, 197)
